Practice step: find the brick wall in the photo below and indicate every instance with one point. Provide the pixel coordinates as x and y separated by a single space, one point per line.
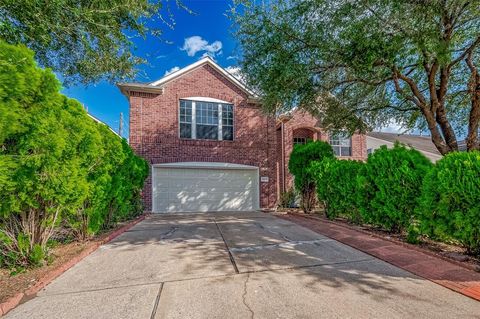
303 124
154 130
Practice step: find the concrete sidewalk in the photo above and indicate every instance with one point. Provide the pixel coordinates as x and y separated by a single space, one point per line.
237 265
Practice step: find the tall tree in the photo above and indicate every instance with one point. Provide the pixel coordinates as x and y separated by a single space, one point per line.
364 63
84 41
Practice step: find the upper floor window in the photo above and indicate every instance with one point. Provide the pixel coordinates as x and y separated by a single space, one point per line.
206 120
341 144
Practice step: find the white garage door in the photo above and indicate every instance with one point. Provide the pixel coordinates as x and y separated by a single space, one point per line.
203 187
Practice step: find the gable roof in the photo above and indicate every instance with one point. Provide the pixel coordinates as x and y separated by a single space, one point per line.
102 122
157 86
418 142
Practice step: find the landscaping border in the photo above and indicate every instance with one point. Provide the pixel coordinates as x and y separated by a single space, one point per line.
462 280
398 242
14 301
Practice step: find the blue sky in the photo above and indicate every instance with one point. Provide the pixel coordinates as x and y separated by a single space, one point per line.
208 31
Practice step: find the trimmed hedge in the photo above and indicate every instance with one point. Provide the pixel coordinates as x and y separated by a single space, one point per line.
450 202
301 158
58 167
400 190
336 182
389 185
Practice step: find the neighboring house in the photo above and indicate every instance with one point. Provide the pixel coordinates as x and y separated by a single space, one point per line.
423 144
101 122
210 145
299 127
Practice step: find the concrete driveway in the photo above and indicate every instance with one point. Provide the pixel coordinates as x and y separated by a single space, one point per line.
237 265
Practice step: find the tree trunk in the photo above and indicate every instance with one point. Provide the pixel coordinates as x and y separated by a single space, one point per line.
447 130
437 138
474 118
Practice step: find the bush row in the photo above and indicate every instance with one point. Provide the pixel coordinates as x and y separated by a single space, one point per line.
59 169
400 190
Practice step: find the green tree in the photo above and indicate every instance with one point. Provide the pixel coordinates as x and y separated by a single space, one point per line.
336 182
360 63
84 41
389 185
301 158
56 163
449 206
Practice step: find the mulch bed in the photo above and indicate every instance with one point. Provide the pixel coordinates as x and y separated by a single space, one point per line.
15 288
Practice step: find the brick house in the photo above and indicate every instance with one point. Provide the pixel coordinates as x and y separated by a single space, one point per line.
209 144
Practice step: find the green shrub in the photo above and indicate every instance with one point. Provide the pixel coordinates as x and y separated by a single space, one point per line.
449 207
287 199
300 159
389 186
56 164
336 182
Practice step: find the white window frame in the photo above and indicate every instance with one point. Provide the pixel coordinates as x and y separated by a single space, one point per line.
219 103
341 136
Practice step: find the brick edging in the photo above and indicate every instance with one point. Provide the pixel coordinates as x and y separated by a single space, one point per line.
398 242
471 289
14 301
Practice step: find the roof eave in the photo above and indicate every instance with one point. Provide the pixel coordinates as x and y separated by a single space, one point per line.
126 88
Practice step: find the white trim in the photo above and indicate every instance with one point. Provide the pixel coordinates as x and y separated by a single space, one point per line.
211 165
220 121
205 60
153 189
194 120
101 122
205 99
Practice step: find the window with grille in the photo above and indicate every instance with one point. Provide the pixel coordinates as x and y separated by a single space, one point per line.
341 144
206 120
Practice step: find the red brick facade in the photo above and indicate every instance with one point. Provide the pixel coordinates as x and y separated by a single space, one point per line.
259 139
302 124
154 129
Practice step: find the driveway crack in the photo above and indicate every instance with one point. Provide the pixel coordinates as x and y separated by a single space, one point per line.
169 233
230 255
157 301
273 232
244 297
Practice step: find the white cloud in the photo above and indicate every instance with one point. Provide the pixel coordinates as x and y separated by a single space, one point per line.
392 127
174 69
236 71
195 44
232 57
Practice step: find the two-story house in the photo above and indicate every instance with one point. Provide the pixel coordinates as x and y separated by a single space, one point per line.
210 145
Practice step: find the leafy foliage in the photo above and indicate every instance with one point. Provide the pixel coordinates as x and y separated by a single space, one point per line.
56 163
449 206
389 185
287 199
84 40
301 158
336 182
367 63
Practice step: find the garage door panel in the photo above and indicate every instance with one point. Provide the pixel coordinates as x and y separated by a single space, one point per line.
204 189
